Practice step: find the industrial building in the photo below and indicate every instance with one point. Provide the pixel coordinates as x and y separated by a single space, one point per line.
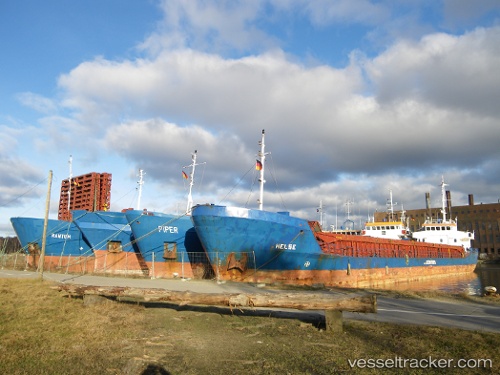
90 192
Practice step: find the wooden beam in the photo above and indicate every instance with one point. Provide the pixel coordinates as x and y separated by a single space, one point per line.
334 321
355 302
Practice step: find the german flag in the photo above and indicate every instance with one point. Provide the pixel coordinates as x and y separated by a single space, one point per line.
184 174
258 165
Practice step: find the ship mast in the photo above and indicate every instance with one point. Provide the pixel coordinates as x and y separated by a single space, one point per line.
348 203
262 155
320 210
191 181
139 188
403 212
390 206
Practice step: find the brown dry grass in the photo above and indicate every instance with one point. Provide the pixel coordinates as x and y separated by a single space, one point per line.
42 332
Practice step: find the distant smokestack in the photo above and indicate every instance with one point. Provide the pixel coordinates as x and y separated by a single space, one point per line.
471 200
448 202
428 204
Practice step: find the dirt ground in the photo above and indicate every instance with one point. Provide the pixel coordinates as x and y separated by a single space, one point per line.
208 340
42 331
194 340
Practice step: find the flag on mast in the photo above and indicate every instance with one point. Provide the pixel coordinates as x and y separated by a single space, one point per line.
258 165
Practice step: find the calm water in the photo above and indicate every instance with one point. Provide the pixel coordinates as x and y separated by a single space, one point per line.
473 284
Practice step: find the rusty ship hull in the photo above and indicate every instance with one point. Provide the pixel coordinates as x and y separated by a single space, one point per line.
268 247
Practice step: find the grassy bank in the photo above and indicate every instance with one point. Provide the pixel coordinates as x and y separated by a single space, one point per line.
42 332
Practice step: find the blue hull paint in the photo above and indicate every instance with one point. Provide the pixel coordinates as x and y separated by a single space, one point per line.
100 228
63 237
152 230
286 244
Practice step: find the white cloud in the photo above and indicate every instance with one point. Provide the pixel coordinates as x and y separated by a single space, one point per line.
203 25
464 12
460 73
18 181
8 139
163 148
37 102
412 120
364 12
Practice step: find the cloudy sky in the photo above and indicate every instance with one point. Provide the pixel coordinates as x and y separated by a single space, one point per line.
356 97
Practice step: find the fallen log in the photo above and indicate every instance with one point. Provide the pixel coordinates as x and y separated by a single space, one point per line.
354 302
332 304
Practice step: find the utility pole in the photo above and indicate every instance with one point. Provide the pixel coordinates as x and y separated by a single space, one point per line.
45 224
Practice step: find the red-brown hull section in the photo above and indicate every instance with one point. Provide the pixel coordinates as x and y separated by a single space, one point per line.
360 278
103 262
65 264
176 269
123 263
364 246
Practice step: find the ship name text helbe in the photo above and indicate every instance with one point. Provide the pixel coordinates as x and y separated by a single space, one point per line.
284 246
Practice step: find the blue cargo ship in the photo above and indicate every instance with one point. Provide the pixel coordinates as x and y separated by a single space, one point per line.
268 247
168 242
65 246
111 239
254 245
